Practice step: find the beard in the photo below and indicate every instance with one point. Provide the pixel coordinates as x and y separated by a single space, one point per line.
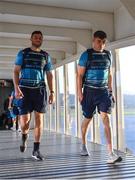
37 45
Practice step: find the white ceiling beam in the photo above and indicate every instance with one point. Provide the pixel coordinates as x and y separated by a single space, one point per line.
122 43
97 20
49 11
79 35
27 36
19 43
54 12
22 19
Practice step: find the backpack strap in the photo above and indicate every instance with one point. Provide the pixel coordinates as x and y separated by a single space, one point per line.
108 55
45 54
25 51
89 52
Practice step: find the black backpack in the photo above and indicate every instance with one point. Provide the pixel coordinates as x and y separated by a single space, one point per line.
90 56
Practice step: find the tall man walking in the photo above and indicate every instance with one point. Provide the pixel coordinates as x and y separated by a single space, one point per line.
30 67
94 74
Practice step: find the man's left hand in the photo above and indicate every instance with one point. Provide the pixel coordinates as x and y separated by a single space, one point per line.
51 98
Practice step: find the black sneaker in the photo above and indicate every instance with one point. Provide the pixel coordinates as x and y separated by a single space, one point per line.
37 156
23 145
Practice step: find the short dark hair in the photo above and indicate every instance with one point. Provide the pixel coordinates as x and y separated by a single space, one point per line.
100 34
36 32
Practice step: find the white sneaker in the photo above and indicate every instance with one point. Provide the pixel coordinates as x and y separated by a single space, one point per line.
84 151
13 128
113 158
19 130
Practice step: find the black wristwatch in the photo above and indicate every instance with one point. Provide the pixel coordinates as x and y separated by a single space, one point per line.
51 92
110 91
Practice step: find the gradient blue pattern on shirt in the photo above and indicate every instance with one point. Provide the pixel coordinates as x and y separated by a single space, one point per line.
30 76
97 75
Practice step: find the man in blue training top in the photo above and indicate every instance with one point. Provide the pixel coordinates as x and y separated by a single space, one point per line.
14 111
30 67
94 76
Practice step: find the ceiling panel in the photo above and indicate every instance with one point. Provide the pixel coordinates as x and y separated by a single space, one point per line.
94 5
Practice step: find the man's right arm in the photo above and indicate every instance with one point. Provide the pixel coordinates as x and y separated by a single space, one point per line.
80 74
16 72
18 93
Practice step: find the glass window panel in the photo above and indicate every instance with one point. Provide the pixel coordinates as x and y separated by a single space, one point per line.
47 115
127 70
53 107
71 99
60 97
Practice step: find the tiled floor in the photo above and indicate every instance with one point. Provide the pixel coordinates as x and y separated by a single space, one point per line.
62 159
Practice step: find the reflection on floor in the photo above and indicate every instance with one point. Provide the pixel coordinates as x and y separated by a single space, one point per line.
62 159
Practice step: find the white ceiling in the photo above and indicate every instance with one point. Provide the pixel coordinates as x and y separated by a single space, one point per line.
94 5
43 21
26 36
66 30
60 25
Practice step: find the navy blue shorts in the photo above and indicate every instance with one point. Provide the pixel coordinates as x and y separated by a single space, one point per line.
15 110
96 98
33 100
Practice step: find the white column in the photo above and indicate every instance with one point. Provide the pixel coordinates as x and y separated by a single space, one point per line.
119 107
